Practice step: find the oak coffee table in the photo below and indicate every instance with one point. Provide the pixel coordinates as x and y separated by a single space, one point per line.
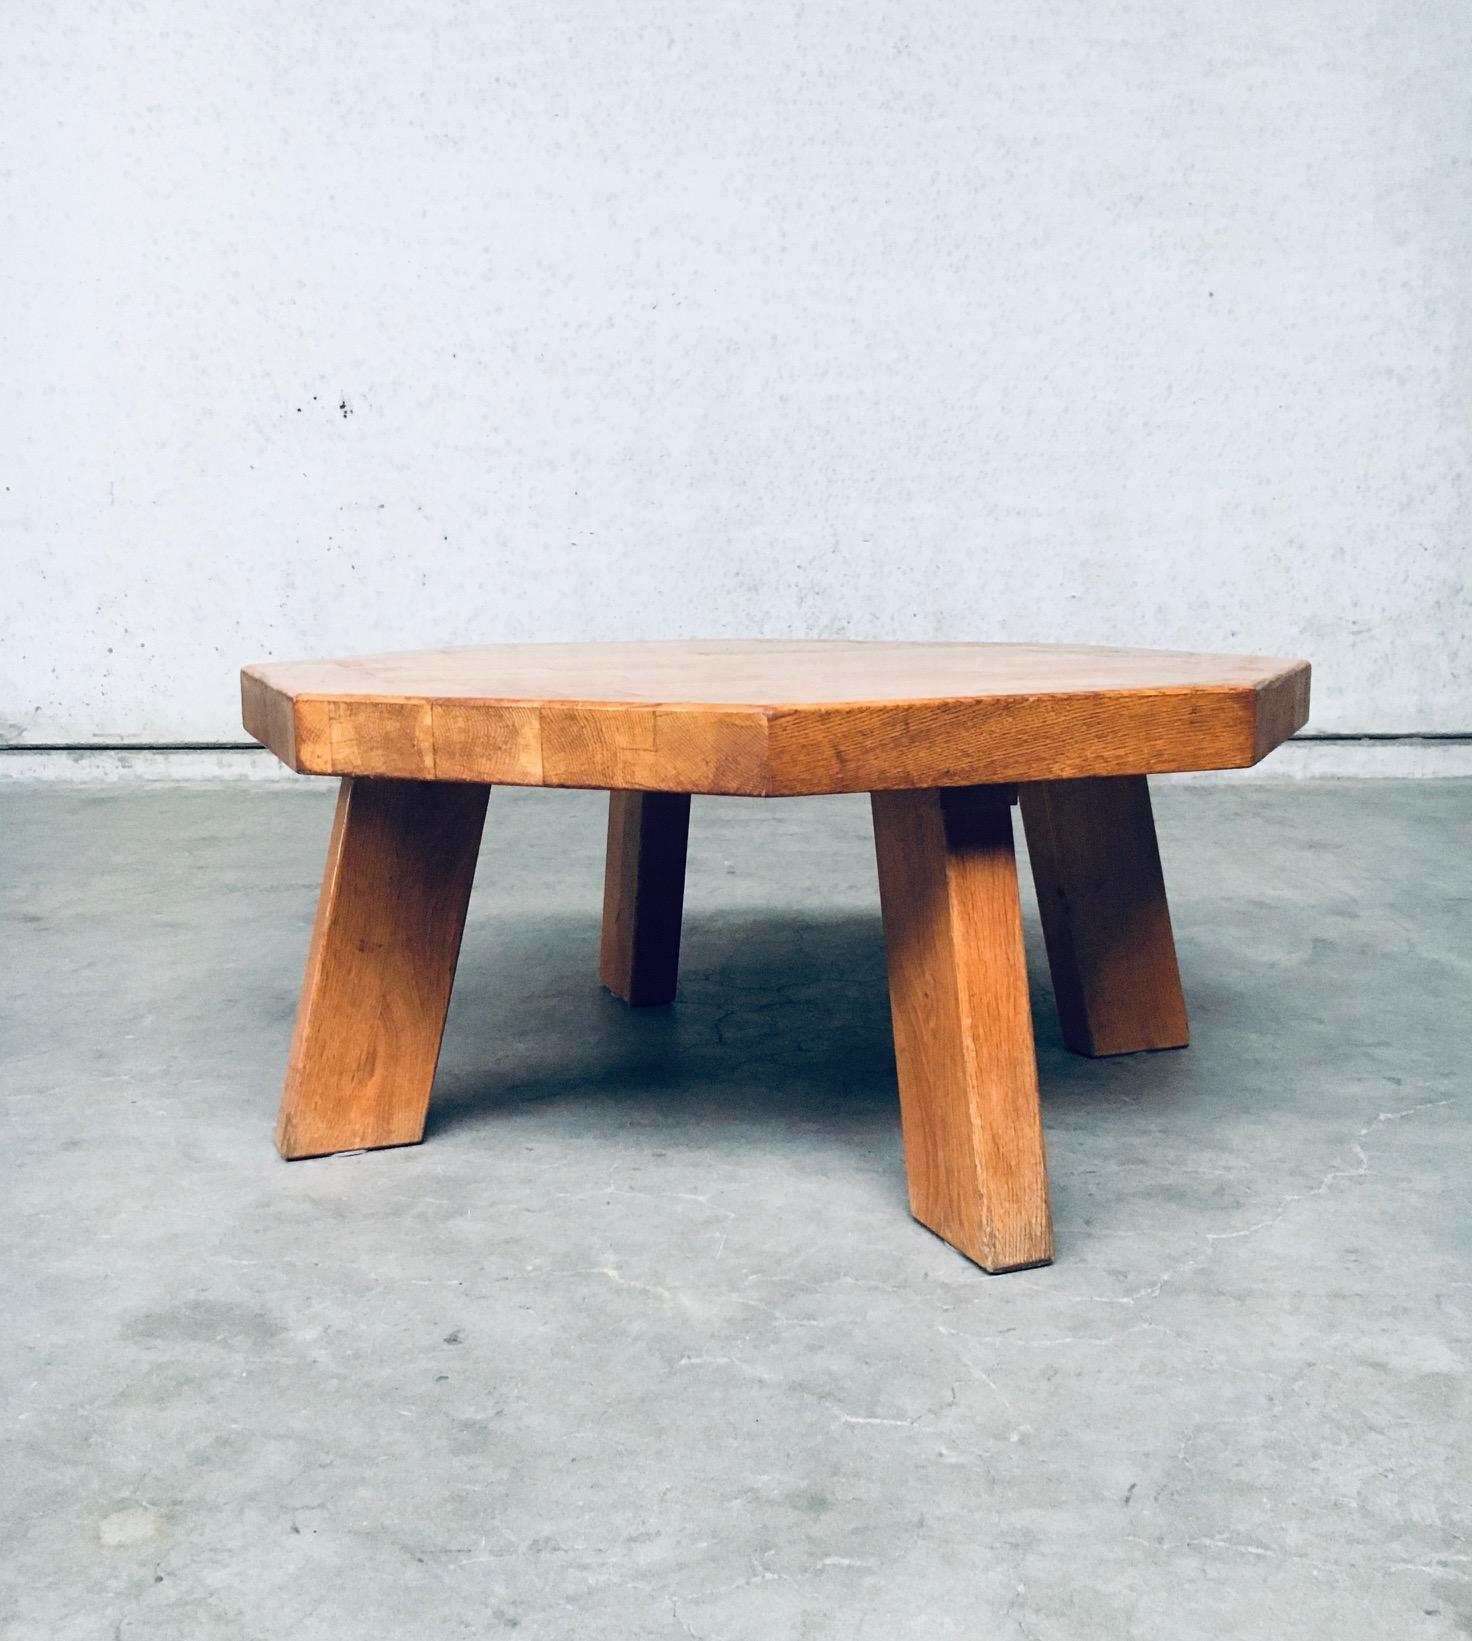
945 738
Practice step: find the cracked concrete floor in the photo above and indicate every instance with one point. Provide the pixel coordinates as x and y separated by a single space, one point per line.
642 1341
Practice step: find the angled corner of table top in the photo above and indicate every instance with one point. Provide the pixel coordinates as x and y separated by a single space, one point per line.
773 718
1282 707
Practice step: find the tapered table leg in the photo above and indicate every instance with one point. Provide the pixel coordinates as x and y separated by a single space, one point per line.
382 961
1101 897
644 894
962 1029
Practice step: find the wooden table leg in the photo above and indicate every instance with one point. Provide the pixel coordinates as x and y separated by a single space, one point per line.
644 895
1105 919
382 961
962 1029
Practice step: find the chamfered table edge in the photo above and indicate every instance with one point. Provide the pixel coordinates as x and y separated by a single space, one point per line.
779 751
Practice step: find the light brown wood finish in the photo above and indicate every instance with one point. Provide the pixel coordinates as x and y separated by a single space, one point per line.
1101 896
773 718
644 895
962 1030
940 734
382 960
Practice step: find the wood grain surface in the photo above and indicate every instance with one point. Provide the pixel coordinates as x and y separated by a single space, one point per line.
1101 897
644 895
773 718
382 960
962 1028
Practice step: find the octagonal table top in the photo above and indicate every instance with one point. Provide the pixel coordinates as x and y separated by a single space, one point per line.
773 717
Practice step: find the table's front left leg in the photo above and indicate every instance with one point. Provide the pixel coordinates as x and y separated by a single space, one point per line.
392 910
962 1027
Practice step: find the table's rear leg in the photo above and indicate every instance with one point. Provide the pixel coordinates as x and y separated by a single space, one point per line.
644 894
962 1028
382 961
1105 919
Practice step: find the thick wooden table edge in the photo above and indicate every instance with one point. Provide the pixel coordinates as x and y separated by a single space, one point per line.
775 751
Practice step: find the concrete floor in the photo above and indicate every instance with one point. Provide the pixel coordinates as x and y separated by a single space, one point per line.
642 1341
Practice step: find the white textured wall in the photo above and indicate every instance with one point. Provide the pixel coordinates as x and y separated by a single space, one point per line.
340 327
